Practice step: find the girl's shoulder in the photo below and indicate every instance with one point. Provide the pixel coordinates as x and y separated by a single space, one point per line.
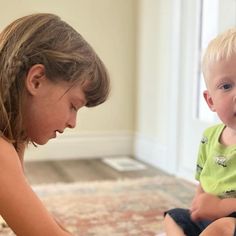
5 143
8 155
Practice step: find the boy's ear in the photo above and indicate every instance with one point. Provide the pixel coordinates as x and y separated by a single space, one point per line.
35 78
209 100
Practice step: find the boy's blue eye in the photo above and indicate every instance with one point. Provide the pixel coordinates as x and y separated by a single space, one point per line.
226 86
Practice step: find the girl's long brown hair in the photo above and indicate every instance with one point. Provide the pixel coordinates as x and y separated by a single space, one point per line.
44 39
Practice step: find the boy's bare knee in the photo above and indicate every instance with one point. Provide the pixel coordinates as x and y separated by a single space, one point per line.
171 227
168 220
224 226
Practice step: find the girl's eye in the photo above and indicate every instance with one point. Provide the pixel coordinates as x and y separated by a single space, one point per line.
226 86
74 108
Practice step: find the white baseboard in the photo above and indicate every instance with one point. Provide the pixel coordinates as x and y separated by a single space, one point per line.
95 145
82 146
150 151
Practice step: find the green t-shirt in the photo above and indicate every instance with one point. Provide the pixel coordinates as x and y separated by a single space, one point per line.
216 164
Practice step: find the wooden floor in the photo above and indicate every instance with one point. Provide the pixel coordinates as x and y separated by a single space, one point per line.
67 171
42 172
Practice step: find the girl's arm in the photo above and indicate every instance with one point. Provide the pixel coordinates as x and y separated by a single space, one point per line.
19 206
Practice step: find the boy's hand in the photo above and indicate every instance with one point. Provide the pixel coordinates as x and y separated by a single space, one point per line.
206 206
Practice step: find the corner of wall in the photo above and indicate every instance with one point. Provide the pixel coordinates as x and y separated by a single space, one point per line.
150 151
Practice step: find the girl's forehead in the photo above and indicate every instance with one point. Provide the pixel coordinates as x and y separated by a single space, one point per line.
75 90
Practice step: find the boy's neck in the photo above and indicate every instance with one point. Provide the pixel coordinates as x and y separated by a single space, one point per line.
228 137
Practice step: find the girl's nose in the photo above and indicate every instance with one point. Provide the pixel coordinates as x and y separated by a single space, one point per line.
71 122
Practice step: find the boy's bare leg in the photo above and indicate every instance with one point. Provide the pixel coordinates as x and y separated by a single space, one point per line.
171 228
224 226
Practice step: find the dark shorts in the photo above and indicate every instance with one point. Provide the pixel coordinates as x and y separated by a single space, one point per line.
190 228
183 219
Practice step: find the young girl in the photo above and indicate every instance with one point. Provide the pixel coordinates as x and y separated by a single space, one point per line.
47 73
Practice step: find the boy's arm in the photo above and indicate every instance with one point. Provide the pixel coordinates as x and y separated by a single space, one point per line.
199 190
208 206
227 206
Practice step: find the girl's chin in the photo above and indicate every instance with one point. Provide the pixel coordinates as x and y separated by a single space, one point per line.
40 141
43 139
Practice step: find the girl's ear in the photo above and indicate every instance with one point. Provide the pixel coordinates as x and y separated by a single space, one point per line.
35 78
209 100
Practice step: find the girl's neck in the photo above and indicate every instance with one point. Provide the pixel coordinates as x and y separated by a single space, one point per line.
21 151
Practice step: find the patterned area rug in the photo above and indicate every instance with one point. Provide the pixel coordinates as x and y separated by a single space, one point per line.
114 208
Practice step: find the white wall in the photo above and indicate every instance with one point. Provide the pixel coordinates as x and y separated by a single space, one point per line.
154 75
110 27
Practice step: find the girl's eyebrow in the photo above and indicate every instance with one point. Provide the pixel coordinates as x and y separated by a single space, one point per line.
81 101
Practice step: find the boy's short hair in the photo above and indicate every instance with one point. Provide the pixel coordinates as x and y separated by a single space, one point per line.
223 47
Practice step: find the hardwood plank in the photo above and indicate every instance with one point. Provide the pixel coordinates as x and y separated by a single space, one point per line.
42 172
79 170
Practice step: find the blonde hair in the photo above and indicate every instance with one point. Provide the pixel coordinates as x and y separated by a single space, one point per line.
44 39
223 47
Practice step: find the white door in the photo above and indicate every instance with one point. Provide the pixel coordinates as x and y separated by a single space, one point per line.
198 25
